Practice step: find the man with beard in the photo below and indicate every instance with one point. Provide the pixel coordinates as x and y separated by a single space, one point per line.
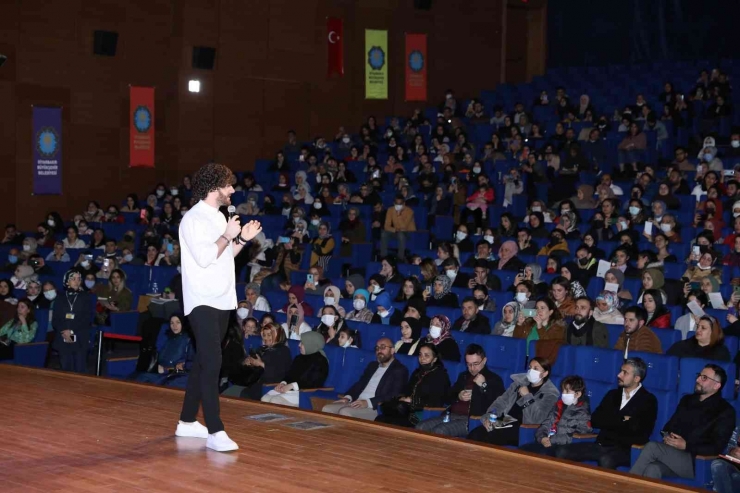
383 380
702 425
208 245
584 330
625 416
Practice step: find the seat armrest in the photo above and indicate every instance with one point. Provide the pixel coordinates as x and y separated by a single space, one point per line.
584 435
318 389
122 358
529 427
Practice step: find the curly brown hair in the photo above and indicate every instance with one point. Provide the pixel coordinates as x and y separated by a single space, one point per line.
210 177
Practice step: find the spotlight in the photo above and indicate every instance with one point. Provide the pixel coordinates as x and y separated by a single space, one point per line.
194 86
2 59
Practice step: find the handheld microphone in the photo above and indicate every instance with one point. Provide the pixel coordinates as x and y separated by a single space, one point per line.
232 212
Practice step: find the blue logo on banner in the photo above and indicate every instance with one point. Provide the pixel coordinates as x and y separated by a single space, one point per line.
376 58
416 61
47 142
142 119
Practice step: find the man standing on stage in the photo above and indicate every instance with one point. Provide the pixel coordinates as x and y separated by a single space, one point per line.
208 245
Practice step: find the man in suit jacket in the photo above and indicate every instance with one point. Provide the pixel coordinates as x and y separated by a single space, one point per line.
702 425
473 392
382 380
472 321
625 416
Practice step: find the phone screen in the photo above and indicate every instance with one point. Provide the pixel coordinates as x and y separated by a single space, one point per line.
170 249
309 278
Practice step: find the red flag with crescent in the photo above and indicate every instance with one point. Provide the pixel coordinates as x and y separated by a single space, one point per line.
335 46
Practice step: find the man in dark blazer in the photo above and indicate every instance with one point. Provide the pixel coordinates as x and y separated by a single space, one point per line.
472 321
473 392
382 380
625 416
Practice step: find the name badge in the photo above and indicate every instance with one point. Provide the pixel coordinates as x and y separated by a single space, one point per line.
70 316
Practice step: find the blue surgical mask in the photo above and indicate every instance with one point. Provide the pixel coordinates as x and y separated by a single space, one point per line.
89 284
128 257
708 157
13 259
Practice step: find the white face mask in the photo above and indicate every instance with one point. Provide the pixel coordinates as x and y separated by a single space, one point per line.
451 273
50 295
398 207
329 300
173 191
568 399
376 289
533 376
242 313
315 222
489 239
89 284
735 214
160 193
384 313
346 345
345 140
536 208
634 210
358 304
317 205
318 180
328 320
461 236
128 257
476 169
622 225
85 264
435 331
521 297
665 227
735 144
26 248
51 222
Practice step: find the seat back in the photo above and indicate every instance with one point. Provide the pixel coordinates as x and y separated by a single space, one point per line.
689 367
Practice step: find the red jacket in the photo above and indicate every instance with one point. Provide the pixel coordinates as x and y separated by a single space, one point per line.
489 196
661 322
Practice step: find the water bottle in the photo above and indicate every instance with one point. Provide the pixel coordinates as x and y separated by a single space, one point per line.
492 420
446 417
733 439
155 288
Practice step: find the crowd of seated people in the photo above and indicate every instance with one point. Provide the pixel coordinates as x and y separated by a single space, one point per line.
559 224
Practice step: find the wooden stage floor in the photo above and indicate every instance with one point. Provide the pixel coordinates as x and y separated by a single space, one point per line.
71 433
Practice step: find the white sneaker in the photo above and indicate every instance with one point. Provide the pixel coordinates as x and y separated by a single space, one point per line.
220 442
193 430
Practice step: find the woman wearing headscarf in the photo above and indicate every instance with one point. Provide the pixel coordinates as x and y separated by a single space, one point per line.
616 276
507 257
297 296
537 225
71 319
322 246
509 316
428 386
606 310
384 309
577 278
440 204
584 198
301 182
557 245
652 279
331 298
569 224
440 294
352 283
361 312
172 357
410 337
353 231
307 371
252 292
415 308
287 260
441 336
295 324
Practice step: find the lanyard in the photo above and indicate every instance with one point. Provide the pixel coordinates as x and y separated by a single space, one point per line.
72 304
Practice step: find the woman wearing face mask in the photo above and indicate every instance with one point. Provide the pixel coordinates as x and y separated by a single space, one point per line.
509 316
268 364
307 371
415 308
636 211
439 294
384 309
34 292
331 298
707 343
703 266
529 399
331 323
427 387
607 309
571 414
658 315
440 335
349 338
20 330
410 337
172 357
30 245
557 244
376 287
361 312
72 320
246 325
462 240
599 231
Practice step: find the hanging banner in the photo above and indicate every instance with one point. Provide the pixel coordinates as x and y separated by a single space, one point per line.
376 64
141 130
47 151
335 46
416 67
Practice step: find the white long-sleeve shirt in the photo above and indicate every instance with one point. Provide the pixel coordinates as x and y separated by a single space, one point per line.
207 279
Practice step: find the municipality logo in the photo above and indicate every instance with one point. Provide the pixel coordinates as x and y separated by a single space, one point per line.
47 142
142 119
416 61
376 58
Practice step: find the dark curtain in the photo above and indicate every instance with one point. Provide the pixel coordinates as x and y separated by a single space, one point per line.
587 32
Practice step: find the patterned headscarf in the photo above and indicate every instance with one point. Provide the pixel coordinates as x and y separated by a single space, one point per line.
446 286
611 300
67 275
517 308
445 334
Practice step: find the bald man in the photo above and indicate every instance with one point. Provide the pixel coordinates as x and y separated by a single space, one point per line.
382 380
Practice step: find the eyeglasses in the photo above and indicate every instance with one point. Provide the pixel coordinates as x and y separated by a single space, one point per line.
704 378
474 365
382 348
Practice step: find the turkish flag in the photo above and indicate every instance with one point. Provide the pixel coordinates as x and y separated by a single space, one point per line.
334 46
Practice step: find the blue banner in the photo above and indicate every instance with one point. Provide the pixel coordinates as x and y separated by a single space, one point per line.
47 151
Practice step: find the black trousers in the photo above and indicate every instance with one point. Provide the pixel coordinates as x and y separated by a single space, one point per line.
209 329
538 448
608 457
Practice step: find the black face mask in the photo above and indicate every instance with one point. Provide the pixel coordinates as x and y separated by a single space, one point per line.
286 205
427 366
583 262
128 238
480 302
